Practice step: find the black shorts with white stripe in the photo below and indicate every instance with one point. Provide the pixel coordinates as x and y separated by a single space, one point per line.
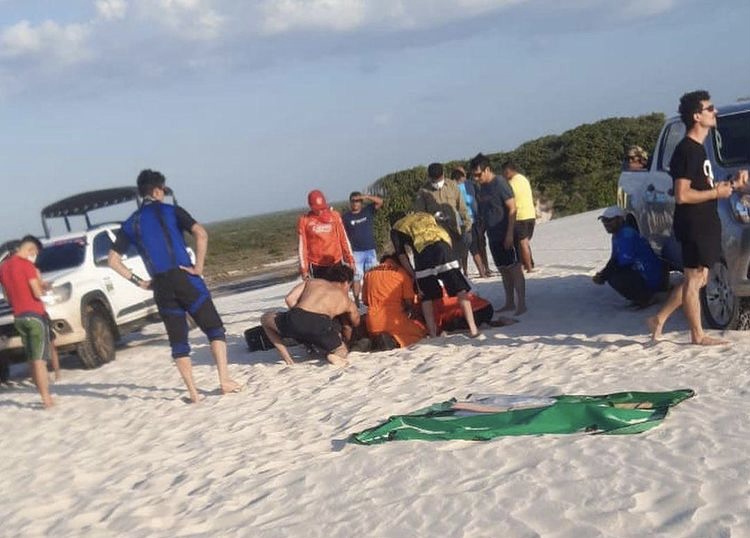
435 264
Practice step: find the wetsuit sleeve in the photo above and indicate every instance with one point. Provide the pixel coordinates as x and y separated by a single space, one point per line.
184 219
346 248
304 266
122 242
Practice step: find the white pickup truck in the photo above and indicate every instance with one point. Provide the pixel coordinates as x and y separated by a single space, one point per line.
90 306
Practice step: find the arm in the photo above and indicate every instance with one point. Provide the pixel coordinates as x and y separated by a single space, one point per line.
201 248
36 288
304 266
510 205
293 296
353 313
377 201
346 248
115 262
685 194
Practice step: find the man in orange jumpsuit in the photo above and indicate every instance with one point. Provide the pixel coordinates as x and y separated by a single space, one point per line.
388 292
322 239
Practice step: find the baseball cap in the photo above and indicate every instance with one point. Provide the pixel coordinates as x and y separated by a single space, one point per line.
316 200
612 212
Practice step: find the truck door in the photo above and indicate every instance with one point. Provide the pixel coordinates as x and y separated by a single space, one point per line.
659 195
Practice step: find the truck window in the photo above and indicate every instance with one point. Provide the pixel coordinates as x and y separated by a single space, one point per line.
732 139
672 136
102 244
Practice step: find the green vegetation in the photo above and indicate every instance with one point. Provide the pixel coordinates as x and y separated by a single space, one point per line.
572 172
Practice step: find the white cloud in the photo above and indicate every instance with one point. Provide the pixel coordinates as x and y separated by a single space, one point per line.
49 40
111 9
280 16
188 19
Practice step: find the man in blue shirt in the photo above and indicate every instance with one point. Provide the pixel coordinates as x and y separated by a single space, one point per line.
156 230
633 270
358 223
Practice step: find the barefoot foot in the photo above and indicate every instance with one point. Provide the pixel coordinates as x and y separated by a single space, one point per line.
654 326
231 387
520 310
507 308
708 341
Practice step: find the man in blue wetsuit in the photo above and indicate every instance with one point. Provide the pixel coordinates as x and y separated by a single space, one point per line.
633 270
156 230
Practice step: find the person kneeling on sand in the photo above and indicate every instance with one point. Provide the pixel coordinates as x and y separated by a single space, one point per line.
388 292
633 270
434 262
313 305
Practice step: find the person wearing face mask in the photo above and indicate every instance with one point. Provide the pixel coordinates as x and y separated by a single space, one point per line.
323 243
23 288
442 199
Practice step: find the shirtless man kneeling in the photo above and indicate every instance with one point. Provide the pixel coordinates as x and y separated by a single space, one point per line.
313 305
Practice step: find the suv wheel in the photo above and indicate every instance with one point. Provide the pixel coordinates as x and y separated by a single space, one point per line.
721 307
99 346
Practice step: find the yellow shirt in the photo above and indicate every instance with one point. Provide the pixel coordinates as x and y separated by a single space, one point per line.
524 199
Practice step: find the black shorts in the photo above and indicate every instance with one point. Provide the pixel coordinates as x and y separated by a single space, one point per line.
437 263
700 252
524 229
503 257
309 328
178 293
322 271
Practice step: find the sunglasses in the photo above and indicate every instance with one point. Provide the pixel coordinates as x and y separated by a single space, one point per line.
709 108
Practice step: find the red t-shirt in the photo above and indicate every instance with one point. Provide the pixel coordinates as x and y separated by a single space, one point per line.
15 274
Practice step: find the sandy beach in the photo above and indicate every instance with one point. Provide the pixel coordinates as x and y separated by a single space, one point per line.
122 455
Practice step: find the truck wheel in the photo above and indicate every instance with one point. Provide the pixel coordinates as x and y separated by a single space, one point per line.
720 305
99 346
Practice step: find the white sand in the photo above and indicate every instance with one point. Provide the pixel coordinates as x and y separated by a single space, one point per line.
121 455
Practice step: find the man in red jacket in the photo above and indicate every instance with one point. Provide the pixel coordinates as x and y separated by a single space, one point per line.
323 243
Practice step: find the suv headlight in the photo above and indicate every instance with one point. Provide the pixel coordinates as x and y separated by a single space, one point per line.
58 294
740 204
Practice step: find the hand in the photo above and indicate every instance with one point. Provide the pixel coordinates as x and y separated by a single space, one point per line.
145 284
306 277
598 279
192 270
723 190
508 243
740 179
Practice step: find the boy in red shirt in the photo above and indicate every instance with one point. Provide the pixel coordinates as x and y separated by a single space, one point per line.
22 286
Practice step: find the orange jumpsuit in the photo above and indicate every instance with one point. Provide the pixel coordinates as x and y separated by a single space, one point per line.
384 290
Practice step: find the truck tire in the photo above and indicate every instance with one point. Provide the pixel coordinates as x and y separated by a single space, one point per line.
99 345
722 309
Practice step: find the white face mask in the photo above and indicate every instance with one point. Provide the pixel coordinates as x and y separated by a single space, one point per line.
439 184
32 258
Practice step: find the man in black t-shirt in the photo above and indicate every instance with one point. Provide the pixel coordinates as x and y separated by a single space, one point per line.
497 208
696 221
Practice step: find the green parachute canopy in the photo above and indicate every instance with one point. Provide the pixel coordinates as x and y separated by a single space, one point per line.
486 417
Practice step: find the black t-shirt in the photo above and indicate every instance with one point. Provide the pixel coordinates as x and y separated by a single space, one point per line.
492 197
692 221
400 240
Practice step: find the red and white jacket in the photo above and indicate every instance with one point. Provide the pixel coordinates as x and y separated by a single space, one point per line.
322 241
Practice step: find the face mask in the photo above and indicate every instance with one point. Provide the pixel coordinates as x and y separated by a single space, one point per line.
439 184
32 258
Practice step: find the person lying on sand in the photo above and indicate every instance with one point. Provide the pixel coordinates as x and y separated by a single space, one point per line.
313 305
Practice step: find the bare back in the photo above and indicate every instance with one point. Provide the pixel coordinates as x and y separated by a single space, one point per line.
324 297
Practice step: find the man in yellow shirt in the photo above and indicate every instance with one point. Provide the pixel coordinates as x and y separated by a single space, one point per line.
526 215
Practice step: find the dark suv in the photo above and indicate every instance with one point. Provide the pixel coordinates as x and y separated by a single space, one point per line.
648 198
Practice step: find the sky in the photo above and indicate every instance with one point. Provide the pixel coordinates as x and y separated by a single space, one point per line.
246 105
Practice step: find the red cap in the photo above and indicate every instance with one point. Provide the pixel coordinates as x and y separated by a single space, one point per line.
316 200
